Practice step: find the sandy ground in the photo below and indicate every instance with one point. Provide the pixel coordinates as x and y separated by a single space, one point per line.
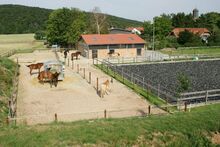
74 98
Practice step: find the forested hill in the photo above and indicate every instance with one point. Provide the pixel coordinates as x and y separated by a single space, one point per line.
17 19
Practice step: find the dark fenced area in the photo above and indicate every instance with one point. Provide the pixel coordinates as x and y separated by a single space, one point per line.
162 79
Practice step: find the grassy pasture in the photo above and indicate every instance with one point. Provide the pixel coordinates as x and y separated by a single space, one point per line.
193 128
194 51
19 42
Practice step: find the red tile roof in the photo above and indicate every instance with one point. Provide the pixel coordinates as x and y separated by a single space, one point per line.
101 39
199 31
141 29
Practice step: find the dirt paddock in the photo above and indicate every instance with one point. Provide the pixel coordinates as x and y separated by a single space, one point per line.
74 98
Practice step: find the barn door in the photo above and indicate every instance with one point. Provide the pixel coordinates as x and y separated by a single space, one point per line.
94 54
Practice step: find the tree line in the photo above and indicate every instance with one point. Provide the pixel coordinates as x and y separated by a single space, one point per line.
163 25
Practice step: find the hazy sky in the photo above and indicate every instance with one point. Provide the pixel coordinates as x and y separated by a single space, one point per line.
132 9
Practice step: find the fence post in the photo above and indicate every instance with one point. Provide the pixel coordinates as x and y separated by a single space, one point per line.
68 62
206 96
122 75
93 61
105 113
72 64
77 68
56 117
143 83
89 77
185 108
97 84
149 109
7 120
84 73
158 90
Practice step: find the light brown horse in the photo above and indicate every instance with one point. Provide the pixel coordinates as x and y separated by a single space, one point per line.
104 88
35 66
51 77
76 54
114 54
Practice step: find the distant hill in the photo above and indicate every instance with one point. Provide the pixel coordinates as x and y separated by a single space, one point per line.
17 19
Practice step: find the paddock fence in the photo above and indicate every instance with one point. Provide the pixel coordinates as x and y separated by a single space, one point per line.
198 97
69 117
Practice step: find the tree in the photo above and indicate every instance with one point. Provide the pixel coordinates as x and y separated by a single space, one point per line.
77 28
183 83
214 39
187 38
163 26
58 26
148 31
100 20
61 26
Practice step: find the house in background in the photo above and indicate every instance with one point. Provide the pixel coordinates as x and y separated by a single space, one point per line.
136 30
204 33
119 31
103 45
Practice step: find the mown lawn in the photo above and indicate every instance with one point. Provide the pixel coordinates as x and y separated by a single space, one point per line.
195 51
181 129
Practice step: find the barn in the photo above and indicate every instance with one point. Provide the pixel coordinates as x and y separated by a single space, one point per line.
105 45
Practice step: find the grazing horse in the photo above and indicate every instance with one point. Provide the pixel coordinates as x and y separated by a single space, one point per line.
76 54
104 88
47 75
114 54
35 66
65 53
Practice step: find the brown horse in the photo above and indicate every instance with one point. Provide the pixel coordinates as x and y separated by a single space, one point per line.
35 66
51 77
76 54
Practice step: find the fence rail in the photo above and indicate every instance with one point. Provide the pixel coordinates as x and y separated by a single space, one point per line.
7 53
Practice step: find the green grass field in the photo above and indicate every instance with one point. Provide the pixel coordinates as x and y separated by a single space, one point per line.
195 51
193 128
19 42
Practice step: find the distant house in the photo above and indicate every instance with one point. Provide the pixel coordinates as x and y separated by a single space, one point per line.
119 31
104 45
204 33
136 30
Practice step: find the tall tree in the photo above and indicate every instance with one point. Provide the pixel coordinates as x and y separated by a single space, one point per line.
77 28
148 31
61 23
100 20
163 26
58 26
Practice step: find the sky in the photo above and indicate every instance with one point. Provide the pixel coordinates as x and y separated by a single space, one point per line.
141 10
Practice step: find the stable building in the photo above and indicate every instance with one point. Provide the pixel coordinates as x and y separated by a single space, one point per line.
106 45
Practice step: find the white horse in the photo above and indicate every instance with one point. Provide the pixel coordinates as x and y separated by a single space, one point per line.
105 88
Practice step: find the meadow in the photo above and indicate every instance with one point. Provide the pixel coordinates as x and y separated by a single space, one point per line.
209 51
20 43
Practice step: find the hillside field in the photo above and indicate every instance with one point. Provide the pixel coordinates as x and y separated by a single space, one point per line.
19 42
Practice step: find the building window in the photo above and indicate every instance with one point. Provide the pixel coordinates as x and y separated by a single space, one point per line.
111 51
129 45
138 51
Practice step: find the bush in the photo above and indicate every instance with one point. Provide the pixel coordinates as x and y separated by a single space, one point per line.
40 35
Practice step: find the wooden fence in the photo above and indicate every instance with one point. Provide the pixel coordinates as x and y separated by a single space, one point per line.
7 53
